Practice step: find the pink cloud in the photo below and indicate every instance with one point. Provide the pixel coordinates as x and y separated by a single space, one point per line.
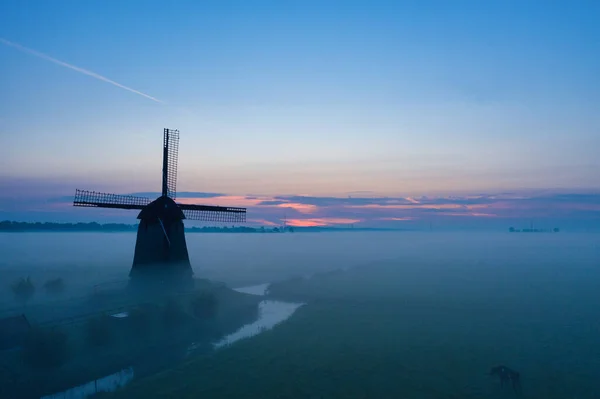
302 208
320 222
406 206
479 206
472 214
267 210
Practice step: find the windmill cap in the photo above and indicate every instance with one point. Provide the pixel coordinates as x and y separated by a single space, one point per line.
164 208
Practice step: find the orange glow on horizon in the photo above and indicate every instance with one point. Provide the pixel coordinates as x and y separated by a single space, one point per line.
320 222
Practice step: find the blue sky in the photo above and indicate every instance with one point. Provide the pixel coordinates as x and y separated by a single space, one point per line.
312 98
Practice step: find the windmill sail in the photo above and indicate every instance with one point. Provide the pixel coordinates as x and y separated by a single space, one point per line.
104 200
170 155
160 248
208 213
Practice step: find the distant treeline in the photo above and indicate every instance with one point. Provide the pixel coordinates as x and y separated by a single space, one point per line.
10 226
239 229
532 230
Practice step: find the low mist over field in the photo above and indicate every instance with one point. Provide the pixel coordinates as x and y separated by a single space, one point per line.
406 192
87 259
442 307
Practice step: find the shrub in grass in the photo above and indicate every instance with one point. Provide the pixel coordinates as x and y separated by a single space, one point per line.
45 349
204 305
23 290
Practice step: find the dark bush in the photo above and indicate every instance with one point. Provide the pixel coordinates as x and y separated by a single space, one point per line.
23 290
98 331
55 287
204 305
45 349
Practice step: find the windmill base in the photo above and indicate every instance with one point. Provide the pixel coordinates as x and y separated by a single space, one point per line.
159 262
167 277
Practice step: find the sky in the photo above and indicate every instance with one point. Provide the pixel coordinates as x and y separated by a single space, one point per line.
425 102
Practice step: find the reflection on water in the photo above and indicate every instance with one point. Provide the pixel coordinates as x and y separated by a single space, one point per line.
109 383
270 314
260 289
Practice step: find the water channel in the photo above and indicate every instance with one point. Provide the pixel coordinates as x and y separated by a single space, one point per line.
270 313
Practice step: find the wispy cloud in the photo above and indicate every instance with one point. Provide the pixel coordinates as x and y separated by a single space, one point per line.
575 210
471 214
75 68
302 208
220 200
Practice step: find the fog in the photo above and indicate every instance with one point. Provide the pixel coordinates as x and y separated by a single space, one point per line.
87 259
529 299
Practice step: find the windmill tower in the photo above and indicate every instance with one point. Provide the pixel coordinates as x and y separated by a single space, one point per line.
161 253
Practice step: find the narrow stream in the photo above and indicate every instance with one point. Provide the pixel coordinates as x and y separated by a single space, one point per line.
270 313
110 383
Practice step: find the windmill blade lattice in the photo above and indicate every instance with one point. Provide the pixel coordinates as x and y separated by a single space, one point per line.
205 213
208 213
171 155
104 200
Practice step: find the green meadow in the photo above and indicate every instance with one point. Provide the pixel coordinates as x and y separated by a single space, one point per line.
390 330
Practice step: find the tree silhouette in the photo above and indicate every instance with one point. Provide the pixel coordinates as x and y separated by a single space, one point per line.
45 349
23 290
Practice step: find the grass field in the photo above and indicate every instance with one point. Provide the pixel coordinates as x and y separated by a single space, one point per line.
385 332
156 335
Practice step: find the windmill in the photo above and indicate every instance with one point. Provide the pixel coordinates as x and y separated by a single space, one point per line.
160 249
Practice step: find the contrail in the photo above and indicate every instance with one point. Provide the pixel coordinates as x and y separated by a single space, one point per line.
75 68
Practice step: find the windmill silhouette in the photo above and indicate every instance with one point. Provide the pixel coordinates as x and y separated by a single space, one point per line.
160 249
